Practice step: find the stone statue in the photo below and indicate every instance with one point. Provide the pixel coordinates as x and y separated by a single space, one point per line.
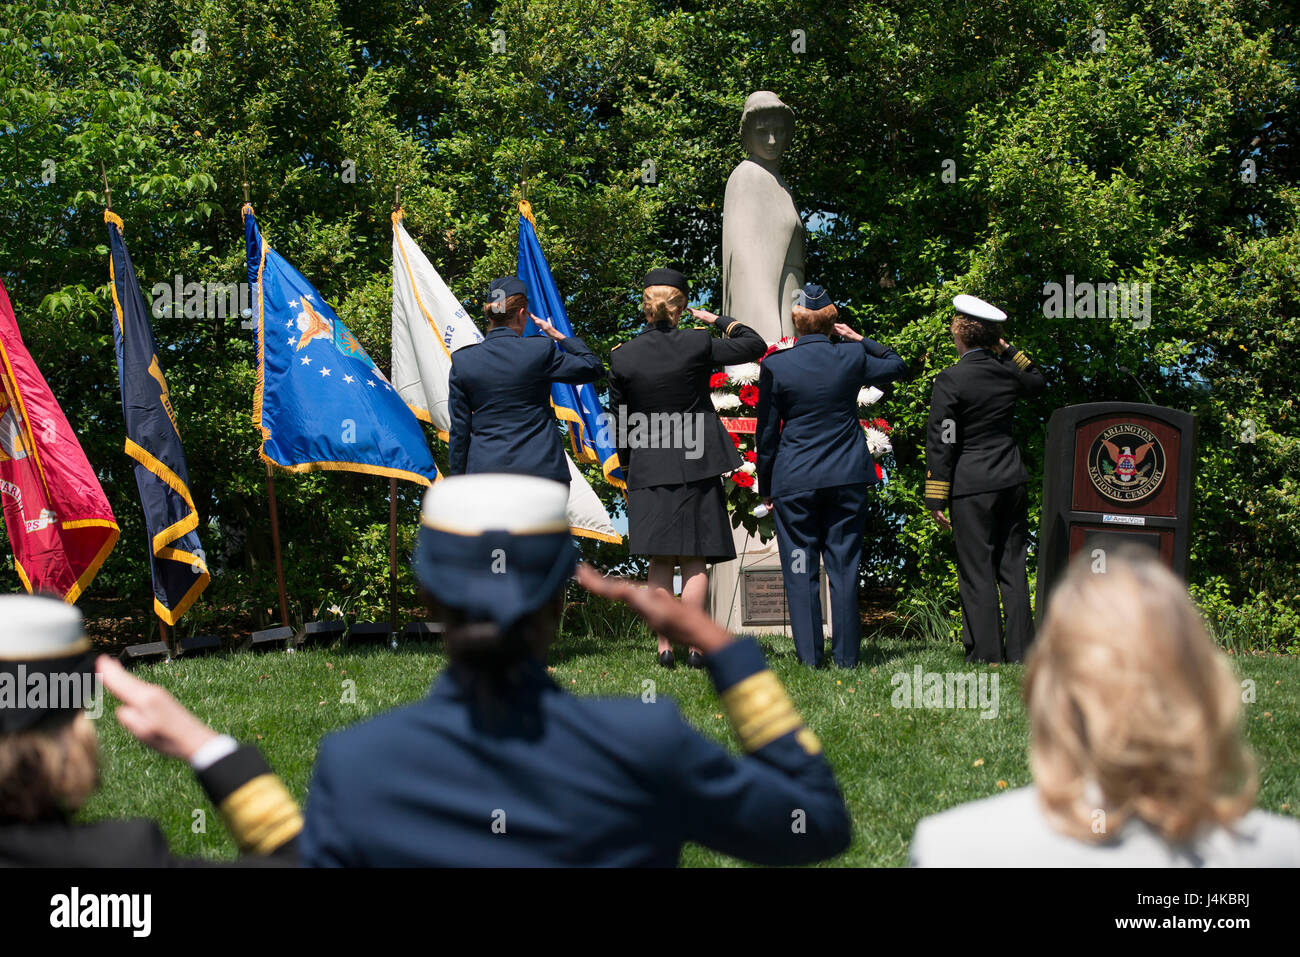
762 234
762 271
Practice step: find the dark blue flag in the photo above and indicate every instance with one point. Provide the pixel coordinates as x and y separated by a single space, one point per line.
579 405
320 402
179 567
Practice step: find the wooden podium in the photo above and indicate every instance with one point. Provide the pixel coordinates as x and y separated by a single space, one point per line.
1116 473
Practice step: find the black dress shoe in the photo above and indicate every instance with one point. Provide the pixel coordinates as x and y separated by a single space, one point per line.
666 659
695 659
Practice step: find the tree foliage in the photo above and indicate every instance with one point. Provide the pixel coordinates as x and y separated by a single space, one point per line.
1112 142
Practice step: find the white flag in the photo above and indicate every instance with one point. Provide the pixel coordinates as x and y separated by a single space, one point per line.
587 517
429 324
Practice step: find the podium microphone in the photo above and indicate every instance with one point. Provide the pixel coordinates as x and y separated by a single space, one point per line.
1128 372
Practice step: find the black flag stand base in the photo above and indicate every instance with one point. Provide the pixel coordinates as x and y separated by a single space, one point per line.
151 652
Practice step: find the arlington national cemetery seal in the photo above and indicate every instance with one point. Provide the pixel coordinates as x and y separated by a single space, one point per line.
1126 463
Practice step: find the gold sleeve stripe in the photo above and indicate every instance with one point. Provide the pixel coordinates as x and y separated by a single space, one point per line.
1022 360
938 488
809 741
761 712
731 325
261 815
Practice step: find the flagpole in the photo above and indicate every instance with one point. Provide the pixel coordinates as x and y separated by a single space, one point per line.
164 633
275 544
392 554
270 490
108 196
392 500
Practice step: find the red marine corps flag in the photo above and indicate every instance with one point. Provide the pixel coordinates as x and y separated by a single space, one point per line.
59 522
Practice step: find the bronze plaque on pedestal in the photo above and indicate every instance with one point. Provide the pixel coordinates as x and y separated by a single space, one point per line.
763 598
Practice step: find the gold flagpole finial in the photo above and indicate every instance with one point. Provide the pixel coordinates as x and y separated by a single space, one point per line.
244 168
398 214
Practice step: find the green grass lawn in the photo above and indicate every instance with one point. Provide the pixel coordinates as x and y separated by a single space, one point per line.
894 765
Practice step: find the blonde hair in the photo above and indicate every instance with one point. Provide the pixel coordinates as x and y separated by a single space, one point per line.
1133 711
662 303
47 772
809 321
499 313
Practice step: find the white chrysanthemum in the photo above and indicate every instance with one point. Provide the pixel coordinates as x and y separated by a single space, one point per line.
870 396
878 442
785 343
746 374
749 467
725 400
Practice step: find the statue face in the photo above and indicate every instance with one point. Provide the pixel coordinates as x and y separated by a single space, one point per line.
768 135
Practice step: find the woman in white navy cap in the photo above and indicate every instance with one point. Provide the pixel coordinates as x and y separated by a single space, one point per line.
671 443
499 766
973 468
49 756
814 469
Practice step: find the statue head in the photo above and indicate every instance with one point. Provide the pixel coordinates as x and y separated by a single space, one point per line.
766 126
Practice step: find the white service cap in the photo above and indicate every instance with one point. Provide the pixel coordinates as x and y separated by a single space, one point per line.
473 504
33 627
977 308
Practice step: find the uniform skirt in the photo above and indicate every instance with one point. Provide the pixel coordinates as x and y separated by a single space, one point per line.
689 520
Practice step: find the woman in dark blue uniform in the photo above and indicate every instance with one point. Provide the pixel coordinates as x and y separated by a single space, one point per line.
500 766
814 468
973 468
671 443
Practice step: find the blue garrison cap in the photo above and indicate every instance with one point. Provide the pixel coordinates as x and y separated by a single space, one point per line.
496 547
815 297
505 287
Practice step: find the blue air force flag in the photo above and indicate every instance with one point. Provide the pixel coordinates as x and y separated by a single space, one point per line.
176 560
321 403
577 405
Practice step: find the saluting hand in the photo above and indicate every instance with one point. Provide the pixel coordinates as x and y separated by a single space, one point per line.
151 714
703 315
546 327
842 330
1003 345
942 519
666 616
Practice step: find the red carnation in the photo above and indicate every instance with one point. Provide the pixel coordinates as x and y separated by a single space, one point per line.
743 479
735 438
718 380
749 395
881 424
752 456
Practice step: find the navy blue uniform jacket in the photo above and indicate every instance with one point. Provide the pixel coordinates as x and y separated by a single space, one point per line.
970 446
809 436
550 778
500 399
